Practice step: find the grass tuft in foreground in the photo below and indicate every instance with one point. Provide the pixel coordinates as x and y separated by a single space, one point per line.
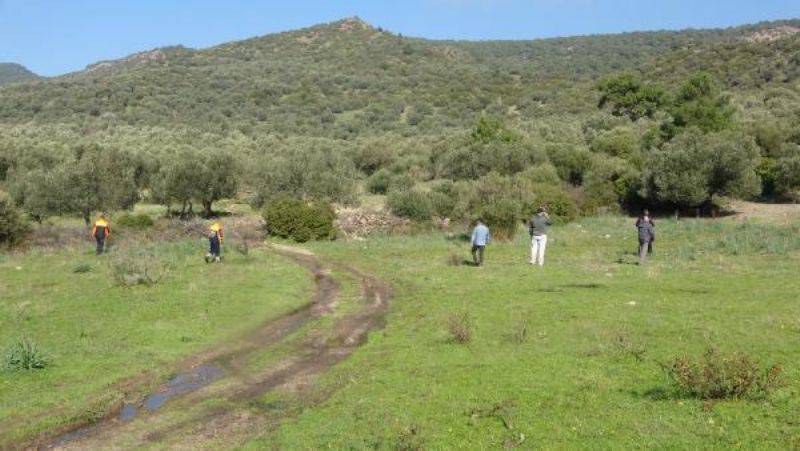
25 354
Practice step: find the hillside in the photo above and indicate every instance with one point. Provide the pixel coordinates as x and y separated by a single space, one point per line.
12 73
590 124
348 79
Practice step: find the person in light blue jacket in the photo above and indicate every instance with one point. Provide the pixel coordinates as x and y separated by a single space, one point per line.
480 238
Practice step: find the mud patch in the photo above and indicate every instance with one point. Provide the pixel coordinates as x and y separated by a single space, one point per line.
297 373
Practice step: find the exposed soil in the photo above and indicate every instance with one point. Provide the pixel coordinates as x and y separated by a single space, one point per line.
224 375
779 213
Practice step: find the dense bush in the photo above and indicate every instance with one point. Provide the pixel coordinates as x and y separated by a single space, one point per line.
384 181
560 204
502 217
299 220
13 227
718 376
411 204
134 221
313 172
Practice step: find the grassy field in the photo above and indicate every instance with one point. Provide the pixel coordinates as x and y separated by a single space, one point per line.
569 354
96 332
565 355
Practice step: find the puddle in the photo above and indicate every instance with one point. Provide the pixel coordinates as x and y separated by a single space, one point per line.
181 384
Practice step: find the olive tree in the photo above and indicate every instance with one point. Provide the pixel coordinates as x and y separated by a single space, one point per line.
693 167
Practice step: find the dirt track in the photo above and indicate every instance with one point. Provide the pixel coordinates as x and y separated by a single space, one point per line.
222 374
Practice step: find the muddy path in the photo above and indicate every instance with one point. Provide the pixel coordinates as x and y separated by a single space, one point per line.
170 415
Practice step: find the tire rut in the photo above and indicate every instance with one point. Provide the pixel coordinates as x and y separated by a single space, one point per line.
309 358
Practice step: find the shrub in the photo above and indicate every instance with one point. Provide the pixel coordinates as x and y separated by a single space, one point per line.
384 181
299 220
137 267
82 268
460 326
411 204
561 206
503 218
135 221
25 354
443 197
717 376
13 227
379 182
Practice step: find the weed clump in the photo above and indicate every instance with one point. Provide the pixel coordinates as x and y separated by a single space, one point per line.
135 221
461 326
409 439
133 268
25 354
717 376
82 268
521 332
454 259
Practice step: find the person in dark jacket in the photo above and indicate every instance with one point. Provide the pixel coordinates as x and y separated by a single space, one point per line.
647 234
537 229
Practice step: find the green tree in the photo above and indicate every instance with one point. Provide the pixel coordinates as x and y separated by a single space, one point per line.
217 178
700 103
693 167
627 95
13 227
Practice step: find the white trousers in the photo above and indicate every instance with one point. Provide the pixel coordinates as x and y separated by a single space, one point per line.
538 245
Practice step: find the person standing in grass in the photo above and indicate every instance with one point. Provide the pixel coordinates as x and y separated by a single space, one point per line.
480 238
100 231
215 237
647 234
537 229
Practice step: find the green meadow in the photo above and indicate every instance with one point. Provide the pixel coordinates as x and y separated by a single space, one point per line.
571 354
96 334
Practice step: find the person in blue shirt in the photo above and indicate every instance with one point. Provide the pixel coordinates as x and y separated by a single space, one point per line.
480 238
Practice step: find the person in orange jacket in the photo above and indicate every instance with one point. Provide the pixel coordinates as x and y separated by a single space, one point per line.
215 238
100 232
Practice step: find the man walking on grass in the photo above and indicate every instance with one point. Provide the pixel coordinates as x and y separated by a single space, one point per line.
647 234
480 238
537 229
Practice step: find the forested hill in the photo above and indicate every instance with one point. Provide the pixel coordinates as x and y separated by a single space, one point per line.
11 73
347 79
448 129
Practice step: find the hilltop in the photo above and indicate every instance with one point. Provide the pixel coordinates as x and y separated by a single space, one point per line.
12 73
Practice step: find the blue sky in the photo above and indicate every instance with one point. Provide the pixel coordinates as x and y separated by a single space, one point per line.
56 36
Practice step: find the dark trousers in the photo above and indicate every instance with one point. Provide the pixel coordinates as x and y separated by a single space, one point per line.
644 249
477 254
101 244
214 247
